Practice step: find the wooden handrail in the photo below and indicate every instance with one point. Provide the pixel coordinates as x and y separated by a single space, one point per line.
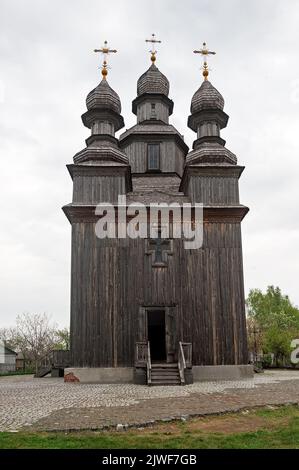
181 363
141 353
182 354
184 359
55 357
46 360
187 349
149 365
143 358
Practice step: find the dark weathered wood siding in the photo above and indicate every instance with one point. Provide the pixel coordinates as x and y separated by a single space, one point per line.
214 189
172 158
94 189
113 281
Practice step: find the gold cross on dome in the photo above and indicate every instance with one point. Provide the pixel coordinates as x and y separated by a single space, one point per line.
105 51
153 52
204 51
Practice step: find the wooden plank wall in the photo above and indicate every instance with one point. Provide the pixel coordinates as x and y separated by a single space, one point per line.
172 158
113 280
95 189
214 189
145 112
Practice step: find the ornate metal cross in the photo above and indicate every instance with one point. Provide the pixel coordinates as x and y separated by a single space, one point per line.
159 247
153 52
204 51
105 51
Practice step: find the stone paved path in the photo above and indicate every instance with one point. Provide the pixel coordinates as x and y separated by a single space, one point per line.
51 404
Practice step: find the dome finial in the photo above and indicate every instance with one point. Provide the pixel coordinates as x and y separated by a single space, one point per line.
204 51
105 51
153 52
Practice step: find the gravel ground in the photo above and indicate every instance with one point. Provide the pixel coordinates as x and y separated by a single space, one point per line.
29 403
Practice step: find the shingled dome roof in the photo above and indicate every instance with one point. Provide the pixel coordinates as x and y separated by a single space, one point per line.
206 97
153 81
103 97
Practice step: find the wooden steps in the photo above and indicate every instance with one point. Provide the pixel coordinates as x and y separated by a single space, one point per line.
165 374
54 363
43 371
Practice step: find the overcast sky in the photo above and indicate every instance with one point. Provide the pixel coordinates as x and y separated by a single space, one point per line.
47 67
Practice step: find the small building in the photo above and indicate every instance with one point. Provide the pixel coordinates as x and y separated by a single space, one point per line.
7 359
20 361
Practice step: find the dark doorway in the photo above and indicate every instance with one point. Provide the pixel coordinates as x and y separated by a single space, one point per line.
156 334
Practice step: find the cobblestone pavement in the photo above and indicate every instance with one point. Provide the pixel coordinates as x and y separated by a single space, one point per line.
51 404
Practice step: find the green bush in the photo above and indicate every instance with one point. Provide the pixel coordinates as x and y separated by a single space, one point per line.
266 361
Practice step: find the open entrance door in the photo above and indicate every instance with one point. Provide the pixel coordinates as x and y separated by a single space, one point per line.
157 334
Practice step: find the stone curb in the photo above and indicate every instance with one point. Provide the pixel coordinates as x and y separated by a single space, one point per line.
122 427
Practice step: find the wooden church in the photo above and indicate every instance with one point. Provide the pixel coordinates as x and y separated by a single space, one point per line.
149 310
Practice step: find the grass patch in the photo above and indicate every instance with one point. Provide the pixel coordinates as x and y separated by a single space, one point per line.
265 428
19 372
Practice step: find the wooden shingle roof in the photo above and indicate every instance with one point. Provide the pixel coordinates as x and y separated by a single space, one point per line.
104 97
206 97
153 81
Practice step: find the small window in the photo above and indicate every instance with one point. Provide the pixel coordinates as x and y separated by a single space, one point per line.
153 157
153 111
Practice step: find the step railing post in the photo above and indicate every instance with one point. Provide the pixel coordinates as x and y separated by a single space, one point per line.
181 363
149 365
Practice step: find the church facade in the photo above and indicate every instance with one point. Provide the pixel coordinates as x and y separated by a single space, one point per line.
148 310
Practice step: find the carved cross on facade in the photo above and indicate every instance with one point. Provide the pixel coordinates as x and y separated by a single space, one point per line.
159 248
105 50
153 52
204 51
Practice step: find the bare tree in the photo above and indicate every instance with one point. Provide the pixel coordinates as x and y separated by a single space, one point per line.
35 336
9 337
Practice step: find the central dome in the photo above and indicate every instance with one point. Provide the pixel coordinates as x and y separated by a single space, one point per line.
103 96
206 97
153 81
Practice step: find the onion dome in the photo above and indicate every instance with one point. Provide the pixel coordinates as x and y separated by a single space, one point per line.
104 97
207 119
206 97
153 81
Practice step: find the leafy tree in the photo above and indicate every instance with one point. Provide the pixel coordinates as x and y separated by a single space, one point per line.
62 339
273 320
272 308
278 342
